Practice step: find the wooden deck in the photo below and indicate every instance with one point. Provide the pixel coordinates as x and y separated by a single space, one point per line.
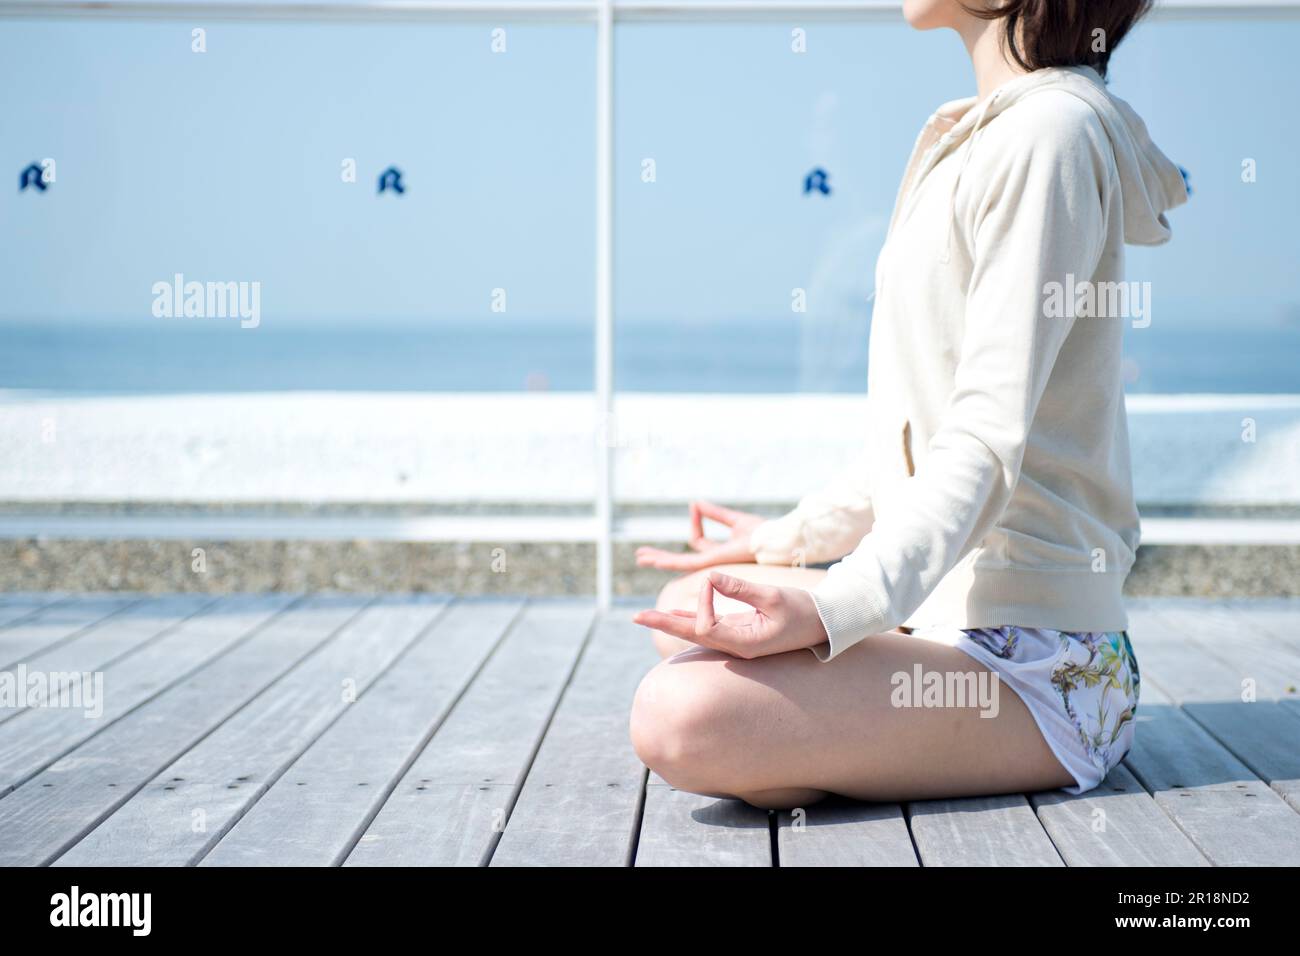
417 730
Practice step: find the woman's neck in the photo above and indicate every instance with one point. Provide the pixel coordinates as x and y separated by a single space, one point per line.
988 55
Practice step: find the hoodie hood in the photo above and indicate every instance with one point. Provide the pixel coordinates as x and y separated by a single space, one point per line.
1150 183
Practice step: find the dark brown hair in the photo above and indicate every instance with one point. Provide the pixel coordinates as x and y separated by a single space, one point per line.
1043 33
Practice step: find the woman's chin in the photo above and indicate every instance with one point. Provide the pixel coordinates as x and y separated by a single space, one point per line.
928 14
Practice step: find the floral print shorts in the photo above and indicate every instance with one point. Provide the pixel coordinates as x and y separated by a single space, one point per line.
1081 688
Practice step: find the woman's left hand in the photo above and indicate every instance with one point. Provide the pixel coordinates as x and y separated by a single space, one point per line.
783 619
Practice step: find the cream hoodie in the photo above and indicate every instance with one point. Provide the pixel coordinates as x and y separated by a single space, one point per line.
995 485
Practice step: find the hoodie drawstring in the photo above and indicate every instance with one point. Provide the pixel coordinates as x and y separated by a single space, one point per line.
946 253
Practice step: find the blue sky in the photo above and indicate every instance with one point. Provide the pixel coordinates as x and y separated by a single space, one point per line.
226 165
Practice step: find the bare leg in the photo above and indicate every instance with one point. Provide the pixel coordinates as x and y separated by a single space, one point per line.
786 730
681 593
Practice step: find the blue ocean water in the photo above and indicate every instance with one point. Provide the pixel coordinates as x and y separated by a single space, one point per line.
673 355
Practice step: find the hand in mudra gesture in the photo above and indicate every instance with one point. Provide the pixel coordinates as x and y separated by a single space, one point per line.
706 552
777 620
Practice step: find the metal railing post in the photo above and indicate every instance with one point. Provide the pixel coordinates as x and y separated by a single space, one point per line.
606 426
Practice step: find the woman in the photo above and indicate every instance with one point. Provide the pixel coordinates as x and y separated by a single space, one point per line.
986 532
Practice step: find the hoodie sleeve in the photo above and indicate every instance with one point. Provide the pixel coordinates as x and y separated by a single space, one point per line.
825 525
1037 215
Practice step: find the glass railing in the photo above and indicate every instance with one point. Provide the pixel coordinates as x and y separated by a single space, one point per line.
538 253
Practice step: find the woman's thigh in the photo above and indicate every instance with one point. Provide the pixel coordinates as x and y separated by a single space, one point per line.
786 729
681 592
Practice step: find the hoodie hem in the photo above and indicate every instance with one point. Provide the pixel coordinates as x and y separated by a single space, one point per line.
1062 600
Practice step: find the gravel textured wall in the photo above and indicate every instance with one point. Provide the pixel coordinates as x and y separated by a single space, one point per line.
549 569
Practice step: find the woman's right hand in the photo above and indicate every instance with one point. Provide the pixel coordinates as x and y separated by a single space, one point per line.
705 551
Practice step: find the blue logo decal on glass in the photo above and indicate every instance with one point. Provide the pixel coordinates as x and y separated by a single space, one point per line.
33 175
391 178
818 180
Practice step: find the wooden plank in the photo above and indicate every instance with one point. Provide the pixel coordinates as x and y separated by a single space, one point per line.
980 831
31 598
97 647
685 829
314 814
53 810
1277 617
1261 732
1265 736
35 739
15 607
184 810
581 801
844 833
1232 816
56 623
1116 824
1264 644
451 806
1174 655
1229 635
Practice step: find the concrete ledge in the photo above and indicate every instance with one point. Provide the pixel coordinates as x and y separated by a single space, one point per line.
506 567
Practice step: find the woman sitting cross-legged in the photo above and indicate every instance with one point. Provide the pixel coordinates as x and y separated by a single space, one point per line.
969 636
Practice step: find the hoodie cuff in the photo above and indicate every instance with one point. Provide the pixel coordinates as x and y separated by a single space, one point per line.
847 614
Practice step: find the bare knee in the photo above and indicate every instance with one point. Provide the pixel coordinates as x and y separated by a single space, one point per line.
688 727
667 645
676 720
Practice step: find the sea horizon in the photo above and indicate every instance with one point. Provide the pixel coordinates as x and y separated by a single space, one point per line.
499 354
